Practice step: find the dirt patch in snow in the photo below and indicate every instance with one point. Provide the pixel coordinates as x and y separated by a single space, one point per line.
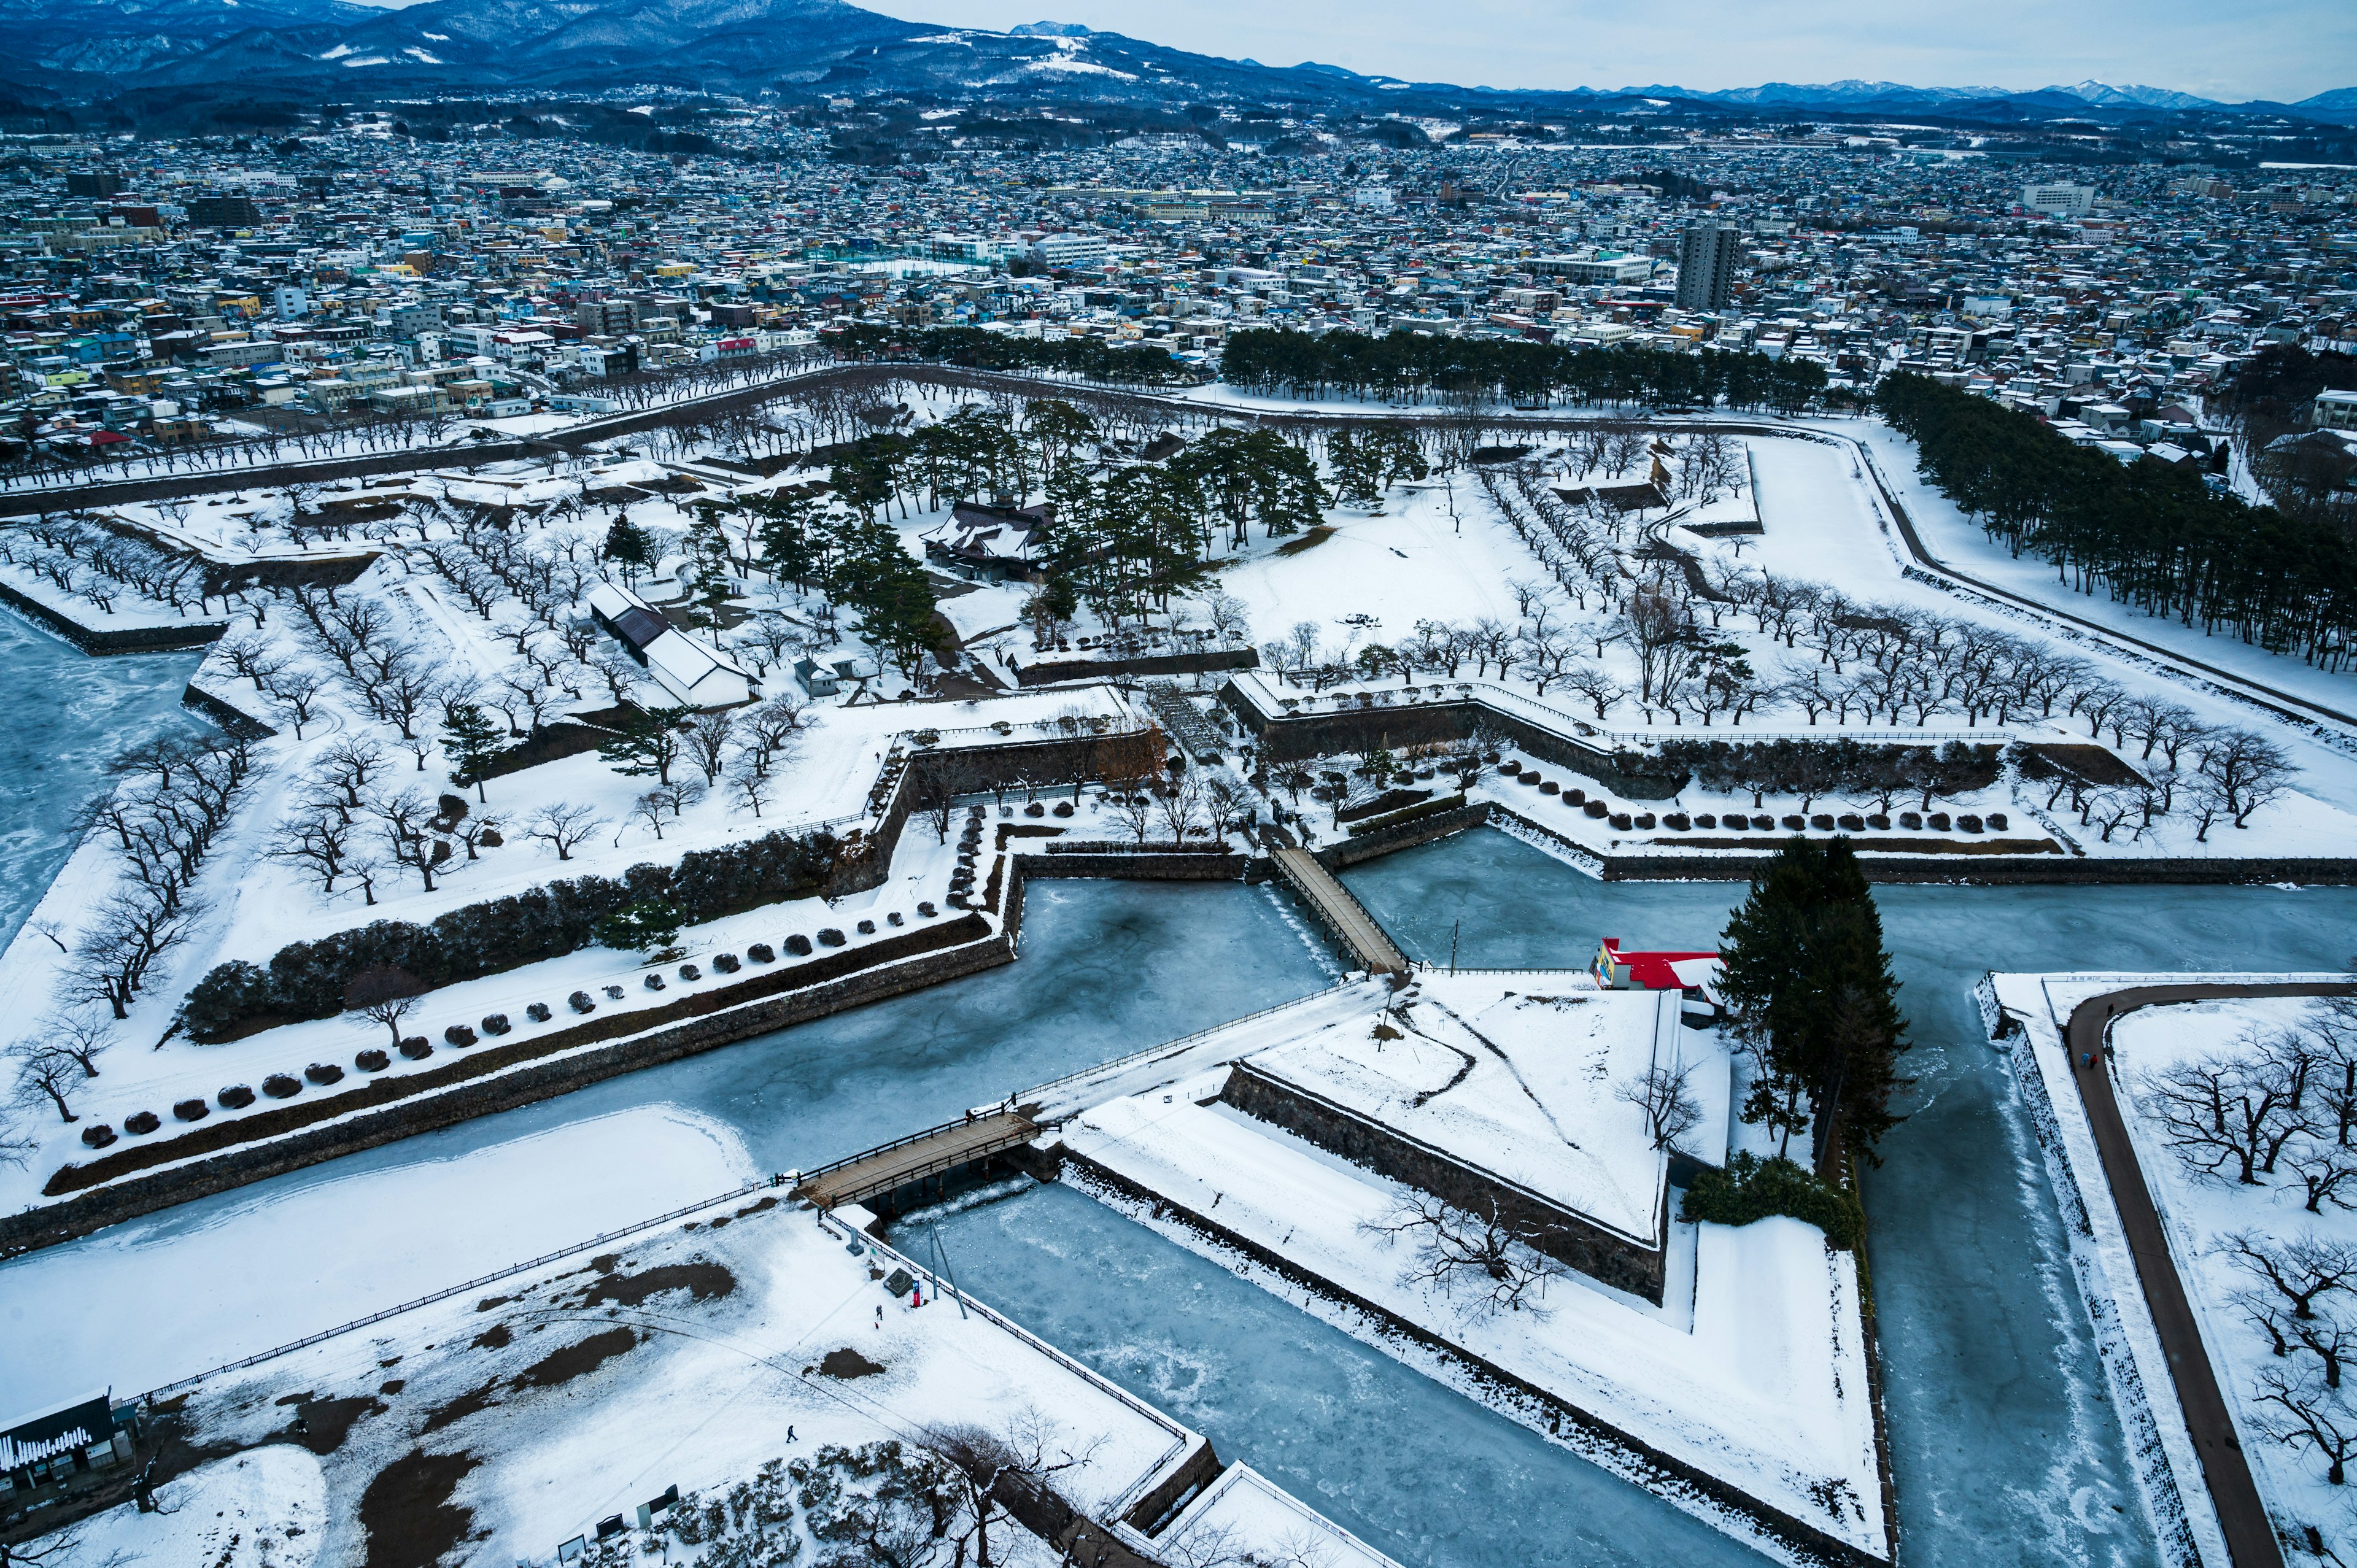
702 1281
848 1363
326 1422
458 1410
407 1511
575 1359
495 1337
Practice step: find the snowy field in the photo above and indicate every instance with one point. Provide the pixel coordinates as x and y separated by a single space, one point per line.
691 1358
268 1270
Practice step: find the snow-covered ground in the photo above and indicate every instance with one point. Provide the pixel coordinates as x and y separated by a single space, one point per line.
311 1255
1752 1370
691 1357
266 1507
1522 1085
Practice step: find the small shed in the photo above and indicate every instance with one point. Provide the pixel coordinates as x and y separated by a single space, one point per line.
688 668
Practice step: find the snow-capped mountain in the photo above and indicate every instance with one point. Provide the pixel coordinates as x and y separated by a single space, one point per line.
63 49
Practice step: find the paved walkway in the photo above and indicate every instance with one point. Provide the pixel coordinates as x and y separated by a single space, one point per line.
936 1152
1343 914
2250 1538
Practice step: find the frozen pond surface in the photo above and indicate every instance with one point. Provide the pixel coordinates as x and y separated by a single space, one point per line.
2006 1447
69 715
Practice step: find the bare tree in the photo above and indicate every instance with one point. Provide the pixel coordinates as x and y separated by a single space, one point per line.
403 827
1023 1454
1663 1095
298 692
708 736
383 995
2301 1413
2225 1112
348 765
2248 770
1456 1249
44 1076
562 826
2302 1270
1181 804
82 1034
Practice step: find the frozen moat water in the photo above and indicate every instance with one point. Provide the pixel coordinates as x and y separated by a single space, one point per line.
69 715
2006 1448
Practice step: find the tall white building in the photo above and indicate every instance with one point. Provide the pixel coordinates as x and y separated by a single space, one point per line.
2060 199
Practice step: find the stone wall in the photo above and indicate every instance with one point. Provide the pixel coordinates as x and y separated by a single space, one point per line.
224 712
1403 835
1353 730
2012 871
1209 663
99 640
494 1087
1191 868
1548 1227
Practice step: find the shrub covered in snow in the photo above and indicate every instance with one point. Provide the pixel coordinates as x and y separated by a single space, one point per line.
761 952
458 1035
142 1122
832 937
97 1136
496 1024
537 1012
372 1060
416 1048
726 964
190 1111
580 1002
282 1086
324 1072
799 945
236 1096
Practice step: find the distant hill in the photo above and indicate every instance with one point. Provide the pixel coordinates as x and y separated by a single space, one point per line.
72 50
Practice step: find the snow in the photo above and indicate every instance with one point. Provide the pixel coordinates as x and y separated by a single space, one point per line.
1519 1085
1242 1509
345 1240
266 1507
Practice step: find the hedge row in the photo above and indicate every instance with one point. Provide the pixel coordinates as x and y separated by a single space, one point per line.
307 980
1752 1188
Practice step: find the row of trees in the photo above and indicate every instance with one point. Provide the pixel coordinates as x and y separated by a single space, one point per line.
84 559
1406 365
1084 357
2155 536
2278 1108
308 979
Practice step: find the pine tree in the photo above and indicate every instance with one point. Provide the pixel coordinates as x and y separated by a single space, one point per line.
1805 967
472 743
647 741
629 546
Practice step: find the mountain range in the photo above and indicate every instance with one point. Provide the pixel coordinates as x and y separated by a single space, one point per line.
72 50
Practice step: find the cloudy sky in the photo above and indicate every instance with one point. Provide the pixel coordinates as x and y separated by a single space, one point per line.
2283 50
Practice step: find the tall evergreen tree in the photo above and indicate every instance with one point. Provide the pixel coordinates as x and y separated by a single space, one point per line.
1806 969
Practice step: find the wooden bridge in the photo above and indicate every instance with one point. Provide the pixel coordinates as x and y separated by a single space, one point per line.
1343 914
935 1152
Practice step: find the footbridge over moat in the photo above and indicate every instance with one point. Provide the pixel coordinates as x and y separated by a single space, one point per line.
937 1153
1341 913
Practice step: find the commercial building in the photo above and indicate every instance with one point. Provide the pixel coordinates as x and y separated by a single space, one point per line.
1708 257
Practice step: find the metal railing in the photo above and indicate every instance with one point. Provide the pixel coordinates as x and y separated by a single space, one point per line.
461 1289
884 1148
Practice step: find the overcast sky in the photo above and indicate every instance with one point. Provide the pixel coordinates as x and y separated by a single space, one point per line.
2284 49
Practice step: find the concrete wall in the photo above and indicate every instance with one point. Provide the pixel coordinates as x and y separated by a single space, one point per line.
481 1083
1559 1232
